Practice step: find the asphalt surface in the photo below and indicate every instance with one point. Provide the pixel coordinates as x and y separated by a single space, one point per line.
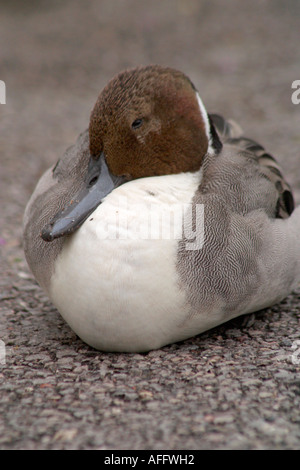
234 387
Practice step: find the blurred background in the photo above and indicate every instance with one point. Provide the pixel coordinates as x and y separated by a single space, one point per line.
55 57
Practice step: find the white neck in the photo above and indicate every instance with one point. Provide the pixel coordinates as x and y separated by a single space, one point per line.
206 123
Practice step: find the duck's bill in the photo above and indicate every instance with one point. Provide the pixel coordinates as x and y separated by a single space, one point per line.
99 183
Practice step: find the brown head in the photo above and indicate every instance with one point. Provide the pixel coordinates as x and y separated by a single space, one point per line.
148 122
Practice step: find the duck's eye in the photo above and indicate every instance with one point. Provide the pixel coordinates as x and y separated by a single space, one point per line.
137 123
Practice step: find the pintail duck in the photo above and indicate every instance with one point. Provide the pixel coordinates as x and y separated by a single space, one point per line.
162 221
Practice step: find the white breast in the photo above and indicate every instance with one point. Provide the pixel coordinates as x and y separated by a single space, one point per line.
115 281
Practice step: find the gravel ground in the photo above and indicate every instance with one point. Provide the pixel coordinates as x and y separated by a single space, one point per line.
234 387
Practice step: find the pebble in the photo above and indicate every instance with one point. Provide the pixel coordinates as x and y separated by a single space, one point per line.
223 418
65 435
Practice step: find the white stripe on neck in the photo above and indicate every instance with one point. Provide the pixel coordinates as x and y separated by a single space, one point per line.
204 114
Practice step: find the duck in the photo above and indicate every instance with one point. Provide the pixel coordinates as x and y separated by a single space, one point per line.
162 221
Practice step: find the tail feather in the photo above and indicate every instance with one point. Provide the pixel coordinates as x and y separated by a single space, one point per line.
232 134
